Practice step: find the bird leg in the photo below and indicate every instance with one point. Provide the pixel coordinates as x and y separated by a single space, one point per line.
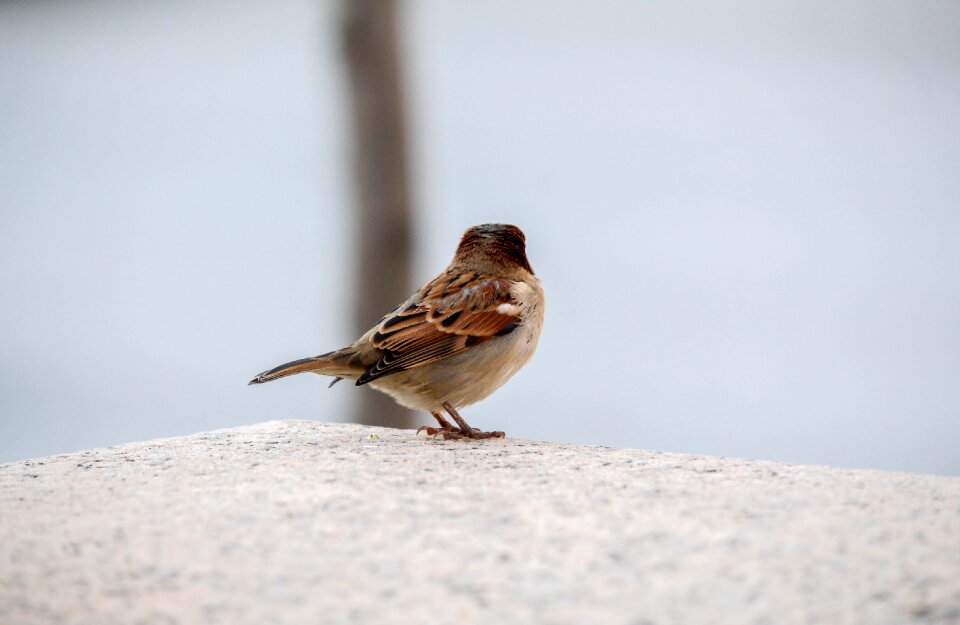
449 432
445 428
465 430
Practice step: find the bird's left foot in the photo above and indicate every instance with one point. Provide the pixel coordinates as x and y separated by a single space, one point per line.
447 431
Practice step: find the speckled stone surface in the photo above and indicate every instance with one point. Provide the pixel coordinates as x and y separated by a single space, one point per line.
303 522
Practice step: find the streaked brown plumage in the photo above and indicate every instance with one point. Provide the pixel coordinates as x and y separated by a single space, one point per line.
454 341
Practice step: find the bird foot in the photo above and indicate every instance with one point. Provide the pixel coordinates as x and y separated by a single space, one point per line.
475 433
452 433
447 432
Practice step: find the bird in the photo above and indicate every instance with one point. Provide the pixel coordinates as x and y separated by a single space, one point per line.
452 343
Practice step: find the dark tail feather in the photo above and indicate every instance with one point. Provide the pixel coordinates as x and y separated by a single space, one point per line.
290 368
341 363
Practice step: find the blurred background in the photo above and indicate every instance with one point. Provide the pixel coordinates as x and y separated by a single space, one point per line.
746 215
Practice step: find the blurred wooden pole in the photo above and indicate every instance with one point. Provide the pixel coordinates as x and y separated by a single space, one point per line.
382 267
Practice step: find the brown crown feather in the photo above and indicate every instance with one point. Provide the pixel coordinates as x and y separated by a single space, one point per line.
503 242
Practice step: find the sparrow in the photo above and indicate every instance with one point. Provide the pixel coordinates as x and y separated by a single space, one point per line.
455 341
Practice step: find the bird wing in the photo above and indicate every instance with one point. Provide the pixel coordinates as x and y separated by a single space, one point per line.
450 314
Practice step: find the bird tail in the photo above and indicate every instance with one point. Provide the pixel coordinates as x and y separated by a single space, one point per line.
343 363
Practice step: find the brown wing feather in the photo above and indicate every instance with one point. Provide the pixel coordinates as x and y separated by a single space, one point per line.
450 314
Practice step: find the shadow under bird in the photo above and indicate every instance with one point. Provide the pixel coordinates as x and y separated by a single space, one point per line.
453 342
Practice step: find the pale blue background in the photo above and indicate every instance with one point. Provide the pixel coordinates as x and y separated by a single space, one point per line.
746 215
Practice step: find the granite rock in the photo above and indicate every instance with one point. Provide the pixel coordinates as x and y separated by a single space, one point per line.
304 522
